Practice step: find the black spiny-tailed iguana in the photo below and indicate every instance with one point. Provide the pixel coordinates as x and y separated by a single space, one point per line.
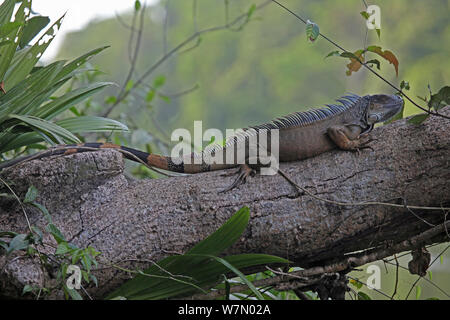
301 135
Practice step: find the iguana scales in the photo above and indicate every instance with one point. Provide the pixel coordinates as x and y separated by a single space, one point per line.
344 125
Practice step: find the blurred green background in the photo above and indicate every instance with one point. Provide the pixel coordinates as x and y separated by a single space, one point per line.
269 69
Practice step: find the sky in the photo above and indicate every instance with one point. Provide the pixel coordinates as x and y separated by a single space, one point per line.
79 14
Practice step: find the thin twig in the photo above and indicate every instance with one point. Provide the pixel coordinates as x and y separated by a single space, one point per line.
366 203
365 284
133 59
348 263
165 26
396 277
177 48
428 280
365 65
131 38
123 23
420 277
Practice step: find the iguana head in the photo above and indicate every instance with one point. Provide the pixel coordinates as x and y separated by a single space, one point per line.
382 107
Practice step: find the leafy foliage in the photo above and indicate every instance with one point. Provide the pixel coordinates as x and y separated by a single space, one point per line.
29 108
312 31
270 69
199 268
436 102
358 57
65 254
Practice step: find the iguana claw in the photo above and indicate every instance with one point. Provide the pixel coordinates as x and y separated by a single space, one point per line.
364 145
244 171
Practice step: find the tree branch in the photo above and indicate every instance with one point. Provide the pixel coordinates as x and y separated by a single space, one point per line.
93 204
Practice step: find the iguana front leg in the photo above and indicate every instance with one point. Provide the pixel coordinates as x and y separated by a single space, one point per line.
349 137
243 172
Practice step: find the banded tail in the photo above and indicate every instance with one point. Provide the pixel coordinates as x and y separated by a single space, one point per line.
153 160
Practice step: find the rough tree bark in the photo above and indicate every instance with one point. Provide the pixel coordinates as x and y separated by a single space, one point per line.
93 203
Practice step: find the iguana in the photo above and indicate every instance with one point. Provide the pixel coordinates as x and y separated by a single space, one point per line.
344 125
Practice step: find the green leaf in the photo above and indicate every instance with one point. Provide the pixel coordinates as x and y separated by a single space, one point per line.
85 276
418 119
374 61
74 294
111 99
32 27
225 236
86 261
199 268
27 289
19 242
7 52
31 194
312 31
9 28
378 31
137 5
54 231
66 101
44 211
355 283
163 97
129 85
404 85
240 275
26 97
9 234
227 288
55 132
159 81
250 11
418 292
6 11
4 43
94 279
347 54
363 296
37 234
440 99
150 96
333 53
62 249
91 124
365 14
21 69
70 67
194 272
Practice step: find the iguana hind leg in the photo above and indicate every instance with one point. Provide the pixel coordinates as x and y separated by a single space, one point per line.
243 172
